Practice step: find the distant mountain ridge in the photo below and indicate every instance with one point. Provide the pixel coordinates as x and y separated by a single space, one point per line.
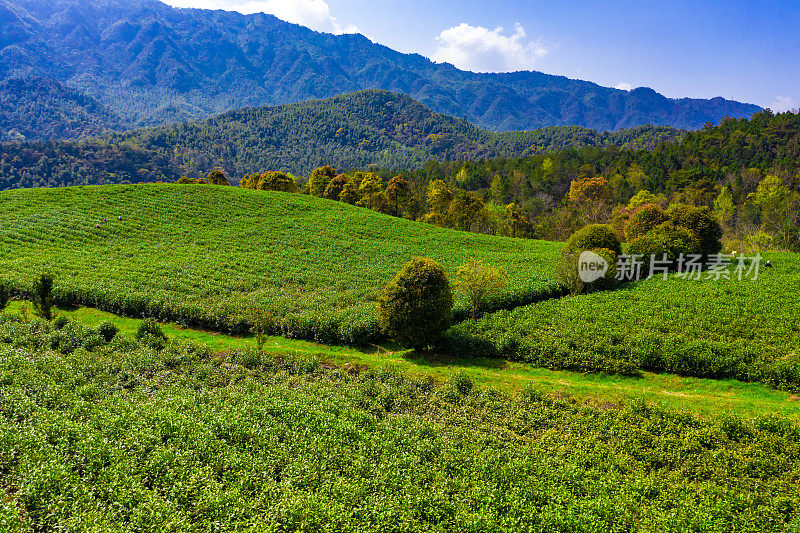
371 127
152 64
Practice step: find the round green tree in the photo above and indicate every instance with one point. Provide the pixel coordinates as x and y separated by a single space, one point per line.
646 218
591 237
415 307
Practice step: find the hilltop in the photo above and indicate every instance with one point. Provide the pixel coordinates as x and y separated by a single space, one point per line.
152 64
206 255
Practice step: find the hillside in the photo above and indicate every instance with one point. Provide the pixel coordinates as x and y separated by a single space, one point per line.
38 109
351 131
152 64
205 256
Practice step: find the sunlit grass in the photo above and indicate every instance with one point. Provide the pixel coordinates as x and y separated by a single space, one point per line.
704 397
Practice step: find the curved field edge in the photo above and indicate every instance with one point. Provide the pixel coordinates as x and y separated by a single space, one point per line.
205 255
702 397
747 330
111 435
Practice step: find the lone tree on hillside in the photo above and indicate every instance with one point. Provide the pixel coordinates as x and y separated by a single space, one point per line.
415 307
42 296
479 280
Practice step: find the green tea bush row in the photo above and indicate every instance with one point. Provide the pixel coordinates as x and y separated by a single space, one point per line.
748 330
205 256
124 437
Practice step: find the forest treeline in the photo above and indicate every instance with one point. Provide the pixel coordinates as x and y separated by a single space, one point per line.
747 172
353 131
543 184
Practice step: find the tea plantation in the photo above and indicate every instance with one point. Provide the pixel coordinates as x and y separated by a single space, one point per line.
204 256
113 435
748 329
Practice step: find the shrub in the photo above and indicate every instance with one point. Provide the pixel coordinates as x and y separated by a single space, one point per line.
150 334
665 239
107 330
479 280
702 223
592 237
217 177
416 306
60 322
568 272
646 218
42 296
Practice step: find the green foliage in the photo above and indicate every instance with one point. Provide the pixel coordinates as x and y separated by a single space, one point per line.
415 307
666 241
108 331
126 438
591 237
149 333
205 256
704 328
319 180
644 219
217 177
42 296
480 281
702 223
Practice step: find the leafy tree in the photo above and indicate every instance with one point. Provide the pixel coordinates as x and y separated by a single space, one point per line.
724 207
400 195
501 184
371 188
217 177
274 181
590 196
644 219
415 307
335 188
439 196
780 210
645 197
516 222
319 180
701 222
349 194
480 280
42 296
467 209
592 237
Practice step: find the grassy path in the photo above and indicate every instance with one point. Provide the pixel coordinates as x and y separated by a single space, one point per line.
705 397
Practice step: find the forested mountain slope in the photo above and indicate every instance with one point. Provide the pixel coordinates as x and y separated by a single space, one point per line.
351 131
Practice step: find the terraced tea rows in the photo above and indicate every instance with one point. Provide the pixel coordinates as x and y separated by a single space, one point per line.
749 330
204 256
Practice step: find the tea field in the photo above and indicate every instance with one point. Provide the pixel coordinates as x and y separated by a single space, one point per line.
112 435
748 330
204 256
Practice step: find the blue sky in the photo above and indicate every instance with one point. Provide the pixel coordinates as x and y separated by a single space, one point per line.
743 50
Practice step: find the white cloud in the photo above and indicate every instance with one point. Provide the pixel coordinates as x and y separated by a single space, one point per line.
783 103
315 14
482 50
623 86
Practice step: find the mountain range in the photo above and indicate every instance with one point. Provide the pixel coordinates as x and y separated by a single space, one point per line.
142 63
